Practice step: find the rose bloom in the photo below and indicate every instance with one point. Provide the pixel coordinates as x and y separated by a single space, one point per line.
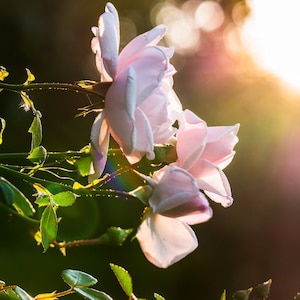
177 201
165 236
204 151
140 104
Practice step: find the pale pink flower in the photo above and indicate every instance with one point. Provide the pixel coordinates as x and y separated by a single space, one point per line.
204 152
140 105
165 236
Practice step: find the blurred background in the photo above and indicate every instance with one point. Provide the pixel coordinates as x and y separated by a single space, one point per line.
237 62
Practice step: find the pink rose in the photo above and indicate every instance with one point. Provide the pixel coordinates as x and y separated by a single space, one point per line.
204 152
140 105
165 236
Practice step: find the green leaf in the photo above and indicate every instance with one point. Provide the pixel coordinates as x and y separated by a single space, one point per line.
12 295
22 294
16 198
262 290
159 297
143 193
38 155
83 165
48 226
3 123
79 279
124 278
223 296
43 201
114 236
92 294
7 191
5 296
64 198
242 294
36 130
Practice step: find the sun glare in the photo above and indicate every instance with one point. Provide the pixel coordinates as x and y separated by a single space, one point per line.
271 35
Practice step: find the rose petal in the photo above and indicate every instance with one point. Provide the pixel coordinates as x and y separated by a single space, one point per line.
109 39
220 143
140 42
198 217
165 241
99 145
176 194
213 181
191 139
144 139
120 107
155 62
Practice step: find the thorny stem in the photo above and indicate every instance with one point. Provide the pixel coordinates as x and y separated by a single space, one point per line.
99 89
7 287
55 155
65 293
77 243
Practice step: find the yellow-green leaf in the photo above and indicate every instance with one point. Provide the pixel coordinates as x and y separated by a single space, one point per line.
3 123
83 165
30 77
38 155
43 201
124 279
41 190
3 73
48 226
36 131
66 198
159 297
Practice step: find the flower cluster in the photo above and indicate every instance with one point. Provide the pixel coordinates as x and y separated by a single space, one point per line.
140 111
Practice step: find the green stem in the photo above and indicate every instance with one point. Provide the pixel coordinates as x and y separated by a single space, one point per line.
65 293
98 89
77 243
50 155
56 155
66 187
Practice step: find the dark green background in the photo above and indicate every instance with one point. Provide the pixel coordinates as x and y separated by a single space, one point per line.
254 240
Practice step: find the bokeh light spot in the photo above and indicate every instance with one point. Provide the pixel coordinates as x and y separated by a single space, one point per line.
209 15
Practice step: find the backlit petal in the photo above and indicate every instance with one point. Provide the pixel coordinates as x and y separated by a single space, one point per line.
149 38
191 139
165 241
99 145
120 108
213 181
109 39
144 138
220 143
